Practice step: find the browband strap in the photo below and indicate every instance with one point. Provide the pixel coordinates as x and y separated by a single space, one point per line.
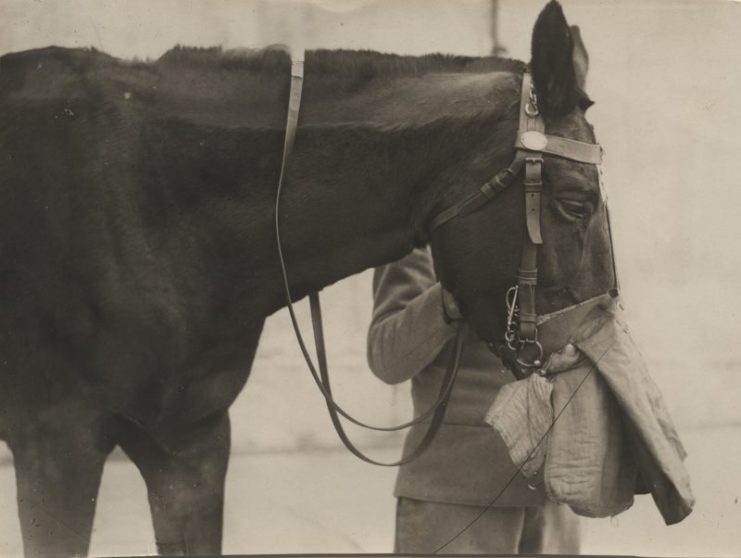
566 148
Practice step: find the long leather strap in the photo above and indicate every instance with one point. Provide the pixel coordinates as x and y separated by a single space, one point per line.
437 410
527 274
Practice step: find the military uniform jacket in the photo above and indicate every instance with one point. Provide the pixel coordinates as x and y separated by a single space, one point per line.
467 462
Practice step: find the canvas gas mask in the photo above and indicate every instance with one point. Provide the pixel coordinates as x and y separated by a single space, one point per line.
591 424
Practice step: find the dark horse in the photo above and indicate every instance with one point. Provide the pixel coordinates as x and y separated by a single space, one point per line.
137 249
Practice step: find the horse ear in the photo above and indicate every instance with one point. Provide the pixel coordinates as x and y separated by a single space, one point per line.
553 64
580 57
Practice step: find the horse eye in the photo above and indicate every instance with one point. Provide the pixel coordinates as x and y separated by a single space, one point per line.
574 210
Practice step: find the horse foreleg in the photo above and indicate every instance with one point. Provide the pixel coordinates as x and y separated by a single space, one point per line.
58 466
185 484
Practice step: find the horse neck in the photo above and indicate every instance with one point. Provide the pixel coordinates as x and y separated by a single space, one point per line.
358 197
368 167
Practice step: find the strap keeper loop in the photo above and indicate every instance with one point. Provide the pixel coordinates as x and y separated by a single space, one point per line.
527 317
527 276
487 189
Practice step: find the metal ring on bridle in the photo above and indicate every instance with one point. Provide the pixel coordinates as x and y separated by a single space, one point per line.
537 361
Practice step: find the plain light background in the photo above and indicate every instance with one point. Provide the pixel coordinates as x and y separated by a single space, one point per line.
665 77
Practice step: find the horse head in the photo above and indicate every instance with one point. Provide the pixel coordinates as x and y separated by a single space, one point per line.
479 253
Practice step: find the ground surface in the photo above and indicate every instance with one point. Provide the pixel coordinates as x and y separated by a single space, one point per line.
326 501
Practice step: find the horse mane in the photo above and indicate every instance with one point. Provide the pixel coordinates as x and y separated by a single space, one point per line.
342 63
249 88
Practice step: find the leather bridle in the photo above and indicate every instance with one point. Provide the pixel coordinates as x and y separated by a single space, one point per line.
531 144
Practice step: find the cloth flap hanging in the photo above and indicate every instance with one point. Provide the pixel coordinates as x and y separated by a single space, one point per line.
522 415
589 465
654 441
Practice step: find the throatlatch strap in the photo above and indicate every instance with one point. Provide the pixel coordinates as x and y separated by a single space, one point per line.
487 192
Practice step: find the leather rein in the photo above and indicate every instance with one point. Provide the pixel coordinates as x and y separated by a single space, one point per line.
437 410
522 334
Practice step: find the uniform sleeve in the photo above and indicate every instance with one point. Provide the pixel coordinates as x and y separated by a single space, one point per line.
407 330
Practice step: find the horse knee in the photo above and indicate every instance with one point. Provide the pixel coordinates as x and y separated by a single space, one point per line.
184 472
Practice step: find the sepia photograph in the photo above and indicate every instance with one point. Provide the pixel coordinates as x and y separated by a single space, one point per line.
416 277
